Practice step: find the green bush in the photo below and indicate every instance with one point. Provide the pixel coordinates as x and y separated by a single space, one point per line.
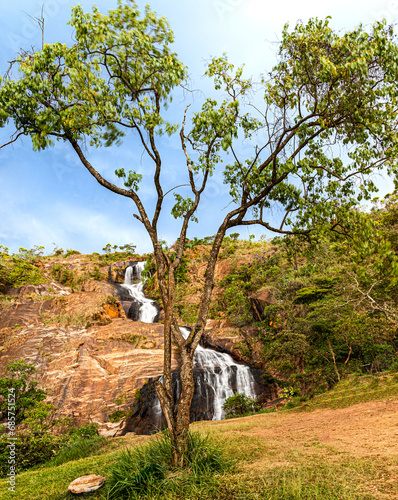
4 278
239 405
117 415
18 391
84 431
31 450
23 273
37 446
70 252
66 276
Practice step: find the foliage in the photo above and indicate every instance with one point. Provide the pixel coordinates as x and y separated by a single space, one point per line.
118 415
17 383
326 88
145 472
18 269
32 450
22 273
84 431
239 405
309 294
40 419
37 445
70 252
68 277
4 278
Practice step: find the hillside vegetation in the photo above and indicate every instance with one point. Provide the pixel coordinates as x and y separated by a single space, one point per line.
316 315
331 298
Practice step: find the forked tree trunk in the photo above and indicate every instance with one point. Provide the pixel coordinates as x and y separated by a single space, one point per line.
177 414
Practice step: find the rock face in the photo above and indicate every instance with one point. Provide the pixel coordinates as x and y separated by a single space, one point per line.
260 301
94 372
100 366
117 270
86 484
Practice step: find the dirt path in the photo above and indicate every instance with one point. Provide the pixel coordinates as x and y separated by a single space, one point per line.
362 438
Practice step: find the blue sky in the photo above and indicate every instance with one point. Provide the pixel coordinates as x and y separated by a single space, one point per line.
48 197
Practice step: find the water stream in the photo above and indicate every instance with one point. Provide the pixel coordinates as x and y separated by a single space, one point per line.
147 309
217 375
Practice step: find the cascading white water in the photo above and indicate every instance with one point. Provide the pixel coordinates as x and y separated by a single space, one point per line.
147 312
219 370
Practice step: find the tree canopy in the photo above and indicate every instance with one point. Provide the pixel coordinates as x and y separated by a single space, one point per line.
319 126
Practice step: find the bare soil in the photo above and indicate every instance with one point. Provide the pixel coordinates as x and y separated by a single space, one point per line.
361 439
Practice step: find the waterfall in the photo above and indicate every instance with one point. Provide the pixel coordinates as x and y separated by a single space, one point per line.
147 310
217 375
223 374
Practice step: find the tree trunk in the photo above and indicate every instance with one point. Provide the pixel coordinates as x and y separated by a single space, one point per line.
177 414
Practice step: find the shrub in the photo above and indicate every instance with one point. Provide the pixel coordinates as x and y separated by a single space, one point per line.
70 252
239 405
4 278
32 450
38 446
84 431
17 386
117 415
66 276
23 273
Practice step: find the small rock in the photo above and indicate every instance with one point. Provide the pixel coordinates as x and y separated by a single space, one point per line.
85 484
114 429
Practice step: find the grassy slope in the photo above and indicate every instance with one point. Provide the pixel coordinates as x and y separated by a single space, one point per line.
340 446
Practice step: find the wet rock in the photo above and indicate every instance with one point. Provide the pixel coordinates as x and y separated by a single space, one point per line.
117 271
86 484
133 312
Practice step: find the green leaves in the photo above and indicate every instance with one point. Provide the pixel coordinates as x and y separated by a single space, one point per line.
131 180
182 207
118 74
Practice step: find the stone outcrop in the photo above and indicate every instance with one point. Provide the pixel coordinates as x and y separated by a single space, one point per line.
91 307
260 300
90 373
42 290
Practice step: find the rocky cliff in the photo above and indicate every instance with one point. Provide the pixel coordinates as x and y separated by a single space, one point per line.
96 363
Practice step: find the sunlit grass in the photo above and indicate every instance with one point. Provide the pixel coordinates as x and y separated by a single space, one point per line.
273 459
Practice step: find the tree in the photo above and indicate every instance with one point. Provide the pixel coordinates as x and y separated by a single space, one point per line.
17 391
326 122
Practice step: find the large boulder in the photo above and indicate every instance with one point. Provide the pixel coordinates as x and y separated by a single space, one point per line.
260 300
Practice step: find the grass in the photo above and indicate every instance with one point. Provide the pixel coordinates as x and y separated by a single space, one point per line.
285 455
79 448
356 389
